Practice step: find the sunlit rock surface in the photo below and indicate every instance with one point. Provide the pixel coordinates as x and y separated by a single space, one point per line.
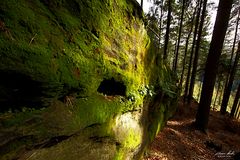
79 80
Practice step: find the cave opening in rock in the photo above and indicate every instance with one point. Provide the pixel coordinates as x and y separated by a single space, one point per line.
18 90
111 87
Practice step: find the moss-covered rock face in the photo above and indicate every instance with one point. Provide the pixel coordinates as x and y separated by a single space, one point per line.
79 80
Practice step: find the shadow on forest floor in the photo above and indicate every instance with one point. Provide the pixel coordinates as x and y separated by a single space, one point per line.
180 141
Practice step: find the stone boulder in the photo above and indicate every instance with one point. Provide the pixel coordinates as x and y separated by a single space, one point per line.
79 80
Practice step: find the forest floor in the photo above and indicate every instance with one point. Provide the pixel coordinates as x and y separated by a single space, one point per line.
180 141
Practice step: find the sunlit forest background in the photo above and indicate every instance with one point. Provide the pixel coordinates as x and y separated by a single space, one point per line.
190 32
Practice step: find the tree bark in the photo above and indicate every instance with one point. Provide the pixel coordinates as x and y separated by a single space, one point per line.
165 55
199 90
216 45
232 53
195 61
235 103
160 27
218 88
199 6
179 37
227 92
238 111
186 49
235 37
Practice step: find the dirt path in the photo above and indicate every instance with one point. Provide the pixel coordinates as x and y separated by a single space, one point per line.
180 141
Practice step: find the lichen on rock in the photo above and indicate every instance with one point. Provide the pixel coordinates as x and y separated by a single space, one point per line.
80 80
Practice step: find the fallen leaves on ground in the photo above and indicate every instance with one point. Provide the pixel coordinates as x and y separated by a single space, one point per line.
180 141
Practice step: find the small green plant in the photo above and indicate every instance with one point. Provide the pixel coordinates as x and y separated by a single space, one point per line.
147 90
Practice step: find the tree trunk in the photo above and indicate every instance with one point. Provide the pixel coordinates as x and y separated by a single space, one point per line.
142 3
232 53
235 103
186 49
179 37
221 95
235 37
199 6
216 45
165 55
238 111
195 61
218 88
160 27
175 48
199 90
184 59
227 92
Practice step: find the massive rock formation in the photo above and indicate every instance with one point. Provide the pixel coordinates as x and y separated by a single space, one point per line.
79 80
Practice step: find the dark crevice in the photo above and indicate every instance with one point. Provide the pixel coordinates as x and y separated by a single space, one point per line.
104 139
94 32
111 87
118 144
99 139
15 141
31 143
93 125
52 142
18 90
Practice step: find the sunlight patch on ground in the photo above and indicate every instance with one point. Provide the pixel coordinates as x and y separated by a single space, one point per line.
180 123
176 132
174 123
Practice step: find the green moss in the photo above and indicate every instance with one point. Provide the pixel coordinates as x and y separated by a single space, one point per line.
133 140
18 119
97 109
156 123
